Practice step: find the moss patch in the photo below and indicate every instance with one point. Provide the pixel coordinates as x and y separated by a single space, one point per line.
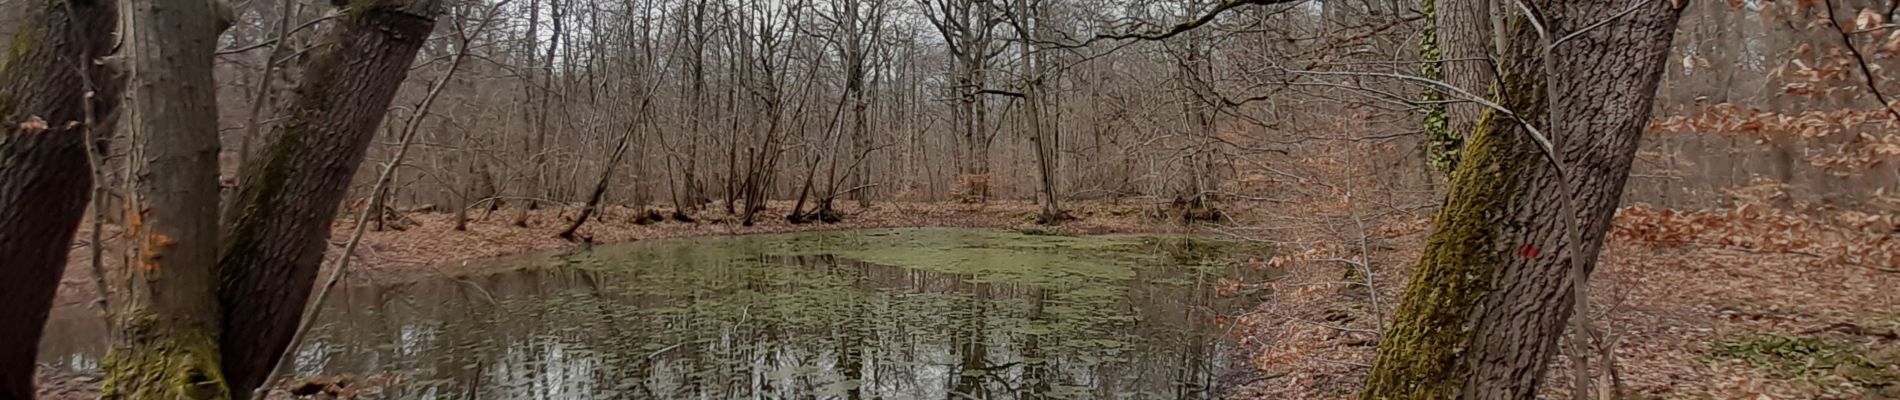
173 362
1867 365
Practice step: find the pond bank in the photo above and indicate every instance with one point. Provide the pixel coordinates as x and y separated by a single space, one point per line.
424 243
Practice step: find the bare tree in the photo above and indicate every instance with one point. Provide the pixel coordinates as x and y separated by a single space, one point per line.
967 29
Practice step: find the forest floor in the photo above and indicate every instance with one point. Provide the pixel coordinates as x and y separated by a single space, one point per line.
1739 303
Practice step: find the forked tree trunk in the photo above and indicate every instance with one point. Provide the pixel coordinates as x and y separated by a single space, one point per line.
1491 294
276 244
44 178
166 343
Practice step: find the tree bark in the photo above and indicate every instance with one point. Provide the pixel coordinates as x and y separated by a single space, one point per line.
44 176
1464 40
1492 292
276 244
166 343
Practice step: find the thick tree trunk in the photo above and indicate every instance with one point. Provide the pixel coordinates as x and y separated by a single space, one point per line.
276 244
166 343
1464 40
1492 292
44 178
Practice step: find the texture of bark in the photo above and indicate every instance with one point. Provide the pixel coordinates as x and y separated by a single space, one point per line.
165 344
1465 43
275 245
1491 294
44 176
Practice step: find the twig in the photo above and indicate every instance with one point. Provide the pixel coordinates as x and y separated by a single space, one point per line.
1179 28
1634 5
275 43
1538 136
1861 59
97 247
263 95
1372 290
656 353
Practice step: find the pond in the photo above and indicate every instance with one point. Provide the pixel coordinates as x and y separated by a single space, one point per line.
881 314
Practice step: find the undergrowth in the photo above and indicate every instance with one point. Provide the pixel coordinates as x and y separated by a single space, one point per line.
1816 359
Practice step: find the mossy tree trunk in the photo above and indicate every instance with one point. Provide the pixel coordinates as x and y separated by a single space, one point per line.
44 176
165 346
1491 293
275 245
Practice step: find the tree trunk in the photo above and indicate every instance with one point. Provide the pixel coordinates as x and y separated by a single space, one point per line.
166 343
600 188
1492 292
1042 133
276 244
1464 40
1441 142
44 178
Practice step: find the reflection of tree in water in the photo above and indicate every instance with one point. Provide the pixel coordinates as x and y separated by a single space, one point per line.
718 322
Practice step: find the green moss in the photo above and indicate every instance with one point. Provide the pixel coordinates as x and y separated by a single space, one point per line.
1420 357
1005 257
986 256
18 50
21 45
164 363
1811 358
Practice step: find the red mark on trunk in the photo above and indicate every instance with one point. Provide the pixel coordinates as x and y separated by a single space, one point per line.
1527 251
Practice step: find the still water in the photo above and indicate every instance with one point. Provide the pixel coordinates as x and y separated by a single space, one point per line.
882 314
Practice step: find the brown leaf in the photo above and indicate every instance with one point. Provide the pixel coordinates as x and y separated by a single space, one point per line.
1868 20
33 125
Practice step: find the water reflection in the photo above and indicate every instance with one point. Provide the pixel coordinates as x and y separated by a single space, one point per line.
969 315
